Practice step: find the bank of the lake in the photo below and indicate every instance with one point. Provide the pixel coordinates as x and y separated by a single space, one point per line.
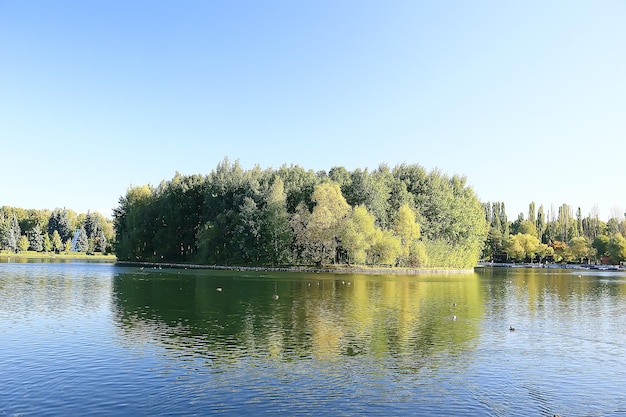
32 255
343 269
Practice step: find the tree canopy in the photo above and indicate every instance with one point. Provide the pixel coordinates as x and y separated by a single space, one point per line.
45 230
403 216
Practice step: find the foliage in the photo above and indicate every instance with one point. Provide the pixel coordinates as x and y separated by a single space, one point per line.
43 228
46 245
82 241
35 239
567 236
617 248
57 243
60 221
358 234
522 246
23 243
297 216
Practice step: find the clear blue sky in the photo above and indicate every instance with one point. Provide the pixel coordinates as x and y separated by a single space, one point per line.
525 98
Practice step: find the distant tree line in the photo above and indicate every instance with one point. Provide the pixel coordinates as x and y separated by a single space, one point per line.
53 231
404 216
556 235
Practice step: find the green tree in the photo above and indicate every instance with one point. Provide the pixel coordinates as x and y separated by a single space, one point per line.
527 227
541 224
35 238
373 191
135 224
57 243
23 244
82 241
601 245
580 249
276 234
617 248
47 243
247 235
100 242
12 233
494 244
61 222
532 214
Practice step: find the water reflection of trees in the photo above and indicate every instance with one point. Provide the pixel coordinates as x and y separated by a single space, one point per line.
553 298
53 289
326 317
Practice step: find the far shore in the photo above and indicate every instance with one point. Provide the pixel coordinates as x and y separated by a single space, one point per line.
325 269
601 267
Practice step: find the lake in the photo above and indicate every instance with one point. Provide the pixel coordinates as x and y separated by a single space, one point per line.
100 339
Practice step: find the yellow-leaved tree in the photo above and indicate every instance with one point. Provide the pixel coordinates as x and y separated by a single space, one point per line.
358 234
327 221
408 230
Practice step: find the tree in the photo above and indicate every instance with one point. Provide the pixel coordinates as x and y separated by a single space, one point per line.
47 243
527 227
543 251
23 243
357 234
12 233
541 223
580 249
601 245
560 250
386 248
327 220
408 230
100 242
276 235
532 214
57 243
617 248
494 243
246 239
35 238
60 221
82 241
92 224
135 224
522 246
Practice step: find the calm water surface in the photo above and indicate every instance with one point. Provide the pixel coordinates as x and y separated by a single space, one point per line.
100 339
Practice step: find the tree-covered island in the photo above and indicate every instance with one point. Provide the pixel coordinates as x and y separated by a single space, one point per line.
402 217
